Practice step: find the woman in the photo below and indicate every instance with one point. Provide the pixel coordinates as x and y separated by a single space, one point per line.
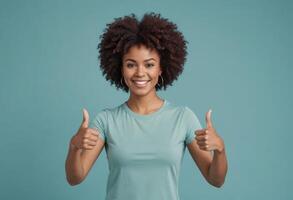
146 136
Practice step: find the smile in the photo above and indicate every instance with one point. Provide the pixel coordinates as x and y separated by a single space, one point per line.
141 83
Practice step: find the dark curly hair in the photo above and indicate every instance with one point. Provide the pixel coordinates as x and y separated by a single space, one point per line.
153 31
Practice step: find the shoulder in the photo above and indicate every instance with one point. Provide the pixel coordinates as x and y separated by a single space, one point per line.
108 111
188 112
184 109
180 109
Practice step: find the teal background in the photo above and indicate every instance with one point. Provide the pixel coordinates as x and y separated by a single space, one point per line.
239 64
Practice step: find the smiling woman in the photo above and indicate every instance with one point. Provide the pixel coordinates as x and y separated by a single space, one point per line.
146 136
141 69
157 34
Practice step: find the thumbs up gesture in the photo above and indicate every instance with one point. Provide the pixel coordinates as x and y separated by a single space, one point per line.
85 138
207 138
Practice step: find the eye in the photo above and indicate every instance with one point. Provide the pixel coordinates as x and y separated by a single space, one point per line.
149 65
129 65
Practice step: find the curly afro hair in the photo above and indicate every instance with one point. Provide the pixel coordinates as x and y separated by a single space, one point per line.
153 31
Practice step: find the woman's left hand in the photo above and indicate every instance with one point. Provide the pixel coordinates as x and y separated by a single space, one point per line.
208 138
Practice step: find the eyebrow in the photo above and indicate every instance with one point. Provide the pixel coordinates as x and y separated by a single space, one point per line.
144 60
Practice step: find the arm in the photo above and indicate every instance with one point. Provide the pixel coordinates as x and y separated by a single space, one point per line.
80 161
73 167
218 168
202 159
89 157
212 167
85 148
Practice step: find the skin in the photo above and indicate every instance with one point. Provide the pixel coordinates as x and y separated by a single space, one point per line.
144 64
140 63
84 149
213 167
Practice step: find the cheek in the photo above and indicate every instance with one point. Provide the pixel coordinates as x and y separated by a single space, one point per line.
154 73
127 74
155 76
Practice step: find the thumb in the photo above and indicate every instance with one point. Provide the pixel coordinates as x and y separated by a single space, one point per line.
85 122
208 119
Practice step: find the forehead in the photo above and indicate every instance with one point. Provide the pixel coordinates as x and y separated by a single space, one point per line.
141 52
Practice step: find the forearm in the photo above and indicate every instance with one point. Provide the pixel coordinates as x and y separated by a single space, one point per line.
218 168
73 166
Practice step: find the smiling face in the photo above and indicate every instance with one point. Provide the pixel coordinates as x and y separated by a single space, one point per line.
141 70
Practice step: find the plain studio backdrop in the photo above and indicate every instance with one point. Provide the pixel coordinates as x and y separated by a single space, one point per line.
239 64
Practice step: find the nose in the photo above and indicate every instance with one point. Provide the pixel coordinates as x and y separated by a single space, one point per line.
140 70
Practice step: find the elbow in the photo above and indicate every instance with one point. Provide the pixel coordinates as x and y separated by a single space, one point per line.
217 181
73 181
217 184
73 178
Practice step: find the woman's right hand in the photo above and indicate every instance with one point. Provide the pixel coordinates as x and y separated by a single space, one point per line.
85 138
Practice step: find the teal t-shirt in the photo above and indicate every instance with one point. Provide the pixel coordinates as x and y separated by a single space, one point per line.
145 152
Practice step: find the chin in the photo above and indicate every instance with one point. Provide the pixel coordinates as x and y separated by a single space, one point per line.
140 92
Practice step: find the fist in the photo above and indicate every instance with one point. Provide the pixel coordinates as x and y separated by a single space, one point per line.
85 138
207 138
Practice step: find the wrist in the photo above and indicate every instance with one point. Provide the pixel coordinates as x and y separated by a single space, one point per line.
219 151
221 148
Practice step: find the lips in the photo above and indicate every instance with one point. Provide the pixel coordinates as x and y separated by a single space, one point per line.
140 83
139 80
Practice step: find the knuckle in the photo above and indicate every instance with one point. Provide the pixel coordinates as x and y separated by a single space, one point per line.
85 140
88 135
84 136
95 135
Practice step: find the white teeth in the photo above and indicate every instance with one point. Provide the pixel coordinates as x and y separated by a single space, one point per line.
140 82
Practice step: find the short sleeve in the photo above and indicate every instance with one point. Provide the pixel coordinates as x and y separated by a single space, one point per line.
99 123
192 124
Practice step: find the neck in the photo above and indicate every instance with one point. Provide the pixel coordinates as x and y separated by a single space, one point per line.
144 104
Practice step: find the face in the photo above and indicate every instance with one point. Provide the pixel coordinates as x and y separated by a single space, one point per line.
141 70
